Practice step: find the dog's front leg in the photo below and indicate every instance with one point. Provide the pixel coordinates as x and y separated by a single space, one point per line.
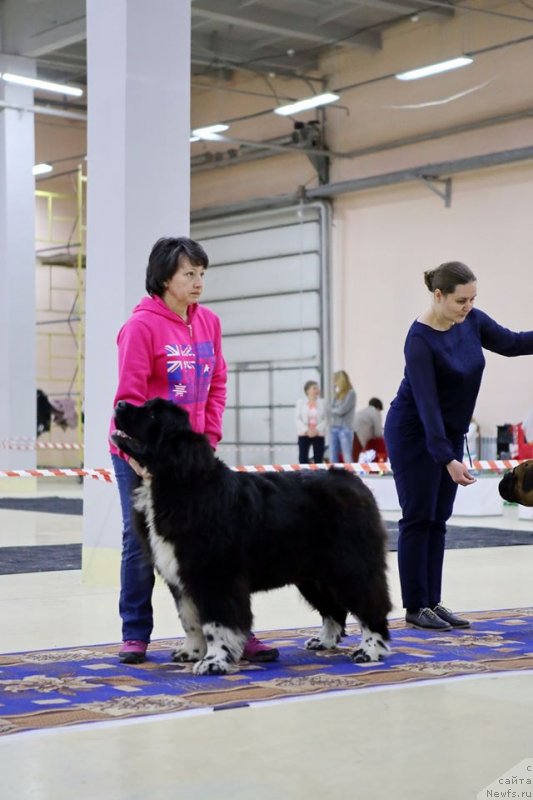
194 647
224 648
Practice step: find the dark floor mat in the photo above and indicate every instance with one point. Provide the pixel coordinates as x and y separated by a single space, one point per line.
49 505
40 558
460 538
49 558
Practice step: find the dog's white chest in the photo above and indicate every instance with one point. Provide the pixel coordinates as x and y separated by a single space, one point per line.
163 552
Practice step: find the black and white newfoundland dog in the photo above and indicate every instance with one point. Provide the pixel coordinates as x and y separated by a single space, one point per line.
216 536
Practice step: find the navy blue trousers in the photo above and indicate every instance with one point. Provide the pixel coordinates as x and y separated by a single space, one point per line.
426 494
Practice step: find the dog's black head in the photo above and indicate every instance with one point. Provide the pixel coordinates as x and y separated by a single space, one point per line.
517 485
159 436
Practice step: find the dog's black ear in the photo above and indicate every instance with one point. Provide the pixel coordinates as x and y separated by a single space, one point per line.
194 455
527 480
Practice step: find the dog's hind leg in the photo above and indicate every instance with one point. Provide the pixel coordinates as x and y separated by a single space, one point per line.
370 604
194 647
333 616
373 647
224 647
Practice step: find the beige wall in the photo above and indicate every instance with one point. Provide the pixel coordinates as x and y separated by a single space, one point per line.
383 239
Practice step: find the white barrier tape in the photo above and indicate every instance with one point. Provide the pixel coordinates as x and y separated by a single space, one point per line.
32 444
377 468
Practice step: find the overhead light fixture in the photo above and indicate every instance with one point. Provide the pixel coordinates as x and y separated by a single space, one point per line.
45 86
309 102
42 169
194 138
434 69
209 132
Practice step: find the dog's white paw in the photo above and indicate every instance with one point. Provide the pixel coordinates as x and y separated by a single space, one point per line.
211 665
182 654
328 637
315 643
372 648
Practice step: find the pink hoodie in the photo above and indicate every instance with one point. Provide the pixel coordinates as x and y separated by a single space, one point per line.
161 355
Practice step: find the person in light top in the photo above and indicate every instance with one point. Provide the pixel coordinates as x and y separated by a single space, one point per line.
342 418
311 424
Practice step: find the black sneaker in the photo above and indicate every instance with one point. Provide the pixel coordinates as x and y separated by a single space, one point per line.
426 619
449 617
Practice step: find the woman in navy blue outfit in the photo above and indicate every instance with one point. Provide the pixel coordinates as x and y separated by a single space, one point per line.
426 425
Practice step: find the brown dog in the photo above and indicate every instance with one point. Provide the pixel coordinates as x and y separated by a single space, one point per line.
517 485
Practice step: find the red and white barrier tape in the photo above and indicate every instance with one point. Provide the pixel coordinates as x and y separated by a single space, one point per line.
99 474
32 444
377 468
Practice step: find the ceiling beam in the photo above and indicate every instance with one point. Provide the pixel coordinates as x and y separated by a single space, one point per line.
32 29
286 25
233 54
401 7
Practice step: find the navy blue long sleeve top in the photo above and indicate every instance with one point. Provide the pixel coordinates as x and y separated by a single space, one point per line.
443 371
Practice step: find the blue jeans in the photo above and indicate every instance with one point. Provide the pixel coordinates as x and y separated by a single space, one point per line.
340 441
136 572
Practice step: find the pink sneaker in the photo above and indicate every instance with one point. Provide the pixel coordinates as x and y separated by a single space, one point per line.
133 651
256 651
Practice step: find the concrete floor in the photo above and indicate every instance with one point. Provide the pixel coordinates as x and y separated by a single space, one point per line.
444 739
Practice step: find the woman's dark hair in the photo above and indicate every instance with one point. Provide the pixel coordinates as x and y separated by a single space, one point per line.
164 261
308 384
448 276
376 402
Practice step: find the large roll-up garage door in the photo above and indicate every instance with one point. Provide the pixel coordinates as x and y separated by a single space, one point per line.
267 280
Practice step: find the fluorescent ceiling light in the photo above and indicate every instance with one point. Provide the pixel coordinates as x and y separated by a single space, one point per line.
194 138
42 169
208 131
433 69
303 105
45 86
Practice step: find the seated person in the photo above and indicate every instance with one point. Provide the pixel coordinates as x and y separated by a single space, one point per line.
368 425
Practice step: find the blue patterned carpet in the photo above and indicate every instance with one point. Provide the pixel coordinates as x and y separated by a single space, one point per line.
52 688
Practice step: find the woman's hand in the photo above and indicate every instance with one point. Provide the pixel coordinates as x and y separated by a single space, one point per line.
459 473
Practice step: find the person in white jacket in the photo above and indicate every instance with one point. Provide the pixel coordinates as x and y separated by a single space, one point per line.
311 424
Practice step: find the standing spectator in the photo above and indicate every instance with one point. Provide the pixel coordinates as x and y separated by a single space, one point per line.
426 425
368 425
342 417
311 424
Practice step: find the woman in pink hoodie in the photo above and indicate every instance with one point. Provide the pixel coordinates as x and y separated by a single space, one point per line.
170 347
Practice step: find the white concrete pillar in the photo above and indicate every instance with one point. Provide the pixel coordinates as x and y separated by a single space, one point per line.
138 190
17 268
